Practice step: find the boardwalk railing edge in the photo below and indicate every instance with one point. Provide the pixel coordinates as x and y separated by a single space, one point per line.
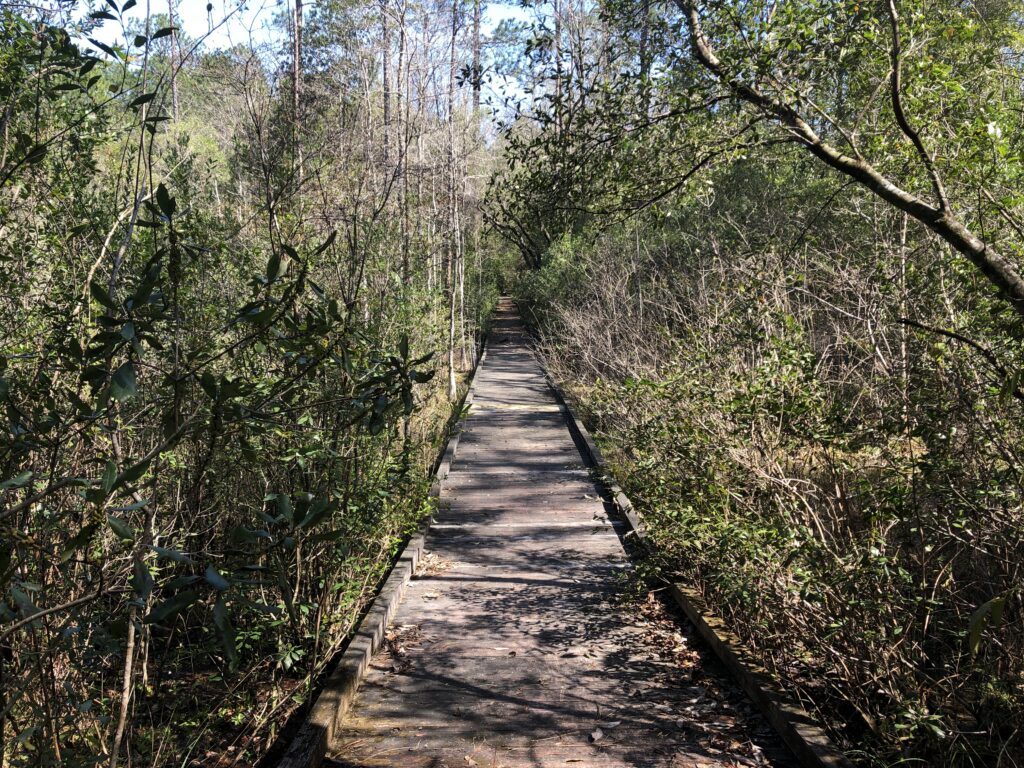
805 738
310 744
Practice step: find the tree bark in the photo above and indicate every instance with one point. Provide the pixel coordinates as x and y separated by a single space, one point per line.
297 91
385 31
174 59
453 222
477 71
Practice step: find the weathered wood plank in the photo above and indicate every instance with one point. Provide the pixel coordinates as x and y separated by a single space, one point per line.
516 643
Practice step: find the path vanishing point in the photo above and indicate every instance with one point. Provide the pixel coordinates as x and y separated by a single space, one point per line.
523 639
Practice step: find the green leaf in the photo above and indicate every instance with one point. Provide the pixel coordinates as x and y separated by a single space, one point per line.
171 607
284 506
164 32
171 554
104 47
222 621
217 581
317 512
988 614
109 476
36 154
140 40
130 475
124 531
18 481
138 101
99 293
168 205
273 267
122 383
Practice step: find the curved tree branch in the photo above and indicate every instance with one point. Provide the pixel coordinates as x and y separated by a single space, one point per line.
896 89
997 268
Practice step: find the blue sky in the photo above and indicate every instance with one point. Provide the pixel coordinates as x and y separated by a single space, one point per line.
237 22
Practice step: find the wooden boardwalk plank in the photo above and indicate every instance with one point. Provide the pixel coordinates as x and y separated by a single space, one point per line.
518 642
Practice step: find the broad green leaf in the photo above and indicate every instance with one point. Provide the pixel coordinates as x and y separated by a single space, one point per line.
171 607
167 204
124 531
138 101
988 614
171 554
213 576
222 621
18 481
122 383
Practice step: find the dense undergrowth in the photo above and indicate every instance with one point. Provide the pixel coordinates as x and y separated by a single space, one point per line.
843 489
224 298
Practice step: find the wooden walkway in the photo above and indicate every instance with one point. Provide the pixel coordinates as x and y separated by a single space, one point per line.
520 642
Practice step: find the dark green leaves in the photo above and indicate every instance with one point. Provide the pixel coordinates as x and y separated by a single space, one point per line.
213 576
988 615
99 293
104 47
222 621
18 481
171 554
171 607
167 204
273 267
122 383
123 531
138 101
36 154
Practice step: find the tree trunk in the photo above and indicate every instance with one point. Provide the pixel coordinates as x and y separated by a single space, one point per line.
174 60
453 222
385 32
297 92
477 71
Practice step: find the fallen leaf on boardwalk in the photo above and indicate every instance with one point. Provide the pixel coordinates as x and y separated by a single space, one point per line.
612 724
470 761
597 735
431 596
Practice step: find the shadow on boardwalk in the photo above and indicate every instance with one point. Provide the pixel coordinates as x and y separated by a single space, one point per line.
523 640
